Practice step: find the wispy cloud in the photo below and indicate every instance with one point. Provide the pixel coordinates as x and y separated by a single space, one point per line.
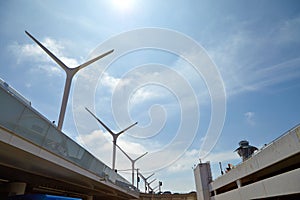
189 159
34 55
288 31
249 116
282 72
109 81
99 143
244 61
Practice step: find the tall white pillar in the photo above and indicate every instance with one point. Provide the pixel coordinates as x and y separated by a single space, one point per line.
89 198
203 177
239 183
16 188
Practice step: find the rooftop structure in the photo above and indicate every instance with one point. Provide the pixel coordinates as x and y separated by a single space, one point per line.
270 173
245 150
168 196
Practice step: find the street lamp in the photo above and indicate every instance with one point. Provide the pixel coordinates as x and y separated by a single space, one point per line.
160 184
70 74
145 180
114 135
132 161
149 187
155 188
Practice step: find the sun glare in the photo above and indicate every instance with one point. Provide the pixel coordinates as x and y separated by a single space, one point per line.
123 5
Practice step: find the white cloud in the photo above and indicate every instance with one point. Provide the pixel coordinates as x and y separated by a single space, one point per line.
158 85
34 55
245 63
250 118
109 81
144 94
222 156
281 72
188 160
49 70
185 162
100 145
289 30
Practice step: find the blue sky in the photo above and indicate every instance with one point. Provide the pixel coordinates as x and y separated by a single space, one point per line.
254 45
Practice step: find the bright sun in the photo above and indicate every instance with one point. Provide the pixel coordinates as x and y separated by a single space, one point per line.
123 5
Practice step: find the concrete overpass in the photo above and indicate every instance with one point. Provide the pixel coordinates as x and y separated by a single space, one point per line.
35 157
271 173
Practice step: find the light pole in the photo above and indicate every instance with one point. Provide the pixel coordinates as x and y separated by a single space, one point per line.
137 178
70 74
150 188
132 161
160 184
155 188
114 135
145 180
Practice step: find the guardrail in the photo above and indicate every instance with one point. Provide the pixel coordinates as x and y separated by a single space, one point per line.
19 117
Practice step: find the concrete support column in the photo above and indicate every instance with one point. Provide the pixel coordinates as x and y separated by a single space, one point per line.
239 183
16 188
89 198
203 178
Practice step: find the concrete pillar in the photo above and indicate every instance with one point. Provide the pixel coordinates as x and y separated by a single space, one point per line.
203 178
89 198
239 183
16 188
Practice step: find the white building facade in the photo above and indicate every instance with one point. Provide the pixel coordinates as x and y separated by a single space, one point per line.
271 173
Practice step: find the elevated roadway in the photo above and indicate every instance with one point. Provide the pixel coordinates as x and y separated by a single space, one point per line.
35 157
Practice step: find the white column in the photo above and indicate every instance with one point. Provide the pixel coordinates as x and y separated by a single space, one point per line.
16 188
203 178
89 198
239 183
